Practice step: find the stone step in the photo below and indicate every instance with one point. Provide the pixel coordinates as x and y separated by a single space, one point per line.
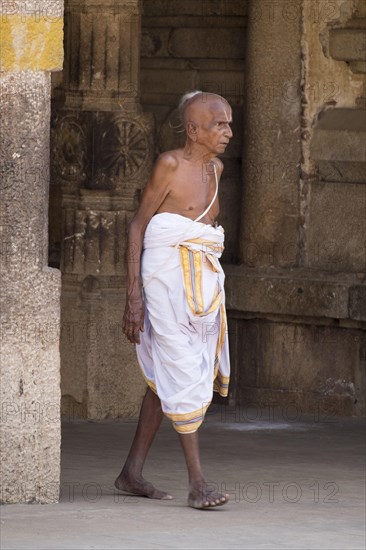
299 292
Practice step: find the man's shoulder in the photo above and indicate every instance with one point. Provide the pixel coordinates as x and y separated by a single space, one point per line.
169 159
218 163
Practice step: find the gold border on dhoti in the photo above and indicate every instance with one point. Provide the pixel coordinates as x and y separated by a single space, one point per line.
191 261
186 422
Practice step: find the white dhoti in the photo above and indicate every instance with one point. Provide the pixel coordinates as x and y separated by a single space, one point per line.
184 351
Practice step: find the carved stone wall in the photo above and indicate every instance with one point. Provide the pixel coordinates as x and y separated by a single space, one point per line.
102 152
298 301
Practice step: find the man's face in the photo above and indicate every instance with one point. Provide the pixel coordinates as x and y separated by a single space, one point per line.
213 126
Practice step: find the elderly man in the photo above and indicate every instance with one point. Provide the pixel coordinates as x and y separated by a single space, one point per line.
175 307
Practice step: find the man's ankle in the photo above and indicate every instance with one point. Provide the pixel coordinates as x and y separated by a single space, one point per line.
197 481
131 472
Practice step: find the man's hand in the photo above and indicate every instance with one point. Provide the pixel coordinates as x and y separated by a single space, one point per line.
133 319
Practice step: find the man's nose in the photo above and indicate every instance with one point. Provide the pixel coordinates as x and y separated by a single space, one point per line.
228 132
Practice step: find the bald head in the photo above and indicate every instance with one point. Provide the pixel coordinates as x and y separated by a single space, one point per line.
206 118
194 105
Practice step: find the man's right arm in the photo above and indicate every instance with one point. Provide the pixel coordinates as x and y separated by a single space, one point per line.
154 194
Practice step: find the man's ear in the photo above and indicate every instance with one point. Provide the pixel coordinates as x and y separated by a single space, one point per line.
191 129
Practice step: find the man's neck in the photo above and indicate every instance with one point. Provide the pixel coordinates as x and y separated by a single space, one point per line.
196 154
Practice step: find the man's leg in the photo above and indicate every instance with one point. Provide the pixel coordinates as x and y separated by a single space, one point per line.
201 495
130 479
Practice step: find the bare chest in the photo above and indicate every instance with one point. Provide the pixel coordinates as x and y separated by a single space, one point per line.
192 195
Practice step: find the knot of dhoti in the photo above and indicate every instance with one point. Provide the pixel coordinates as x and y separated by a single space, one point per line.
193 253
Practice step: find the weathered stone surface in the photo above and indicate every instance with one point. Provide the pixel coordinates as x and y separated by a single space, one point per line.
229 84
102 151
342 119
176 80
154 42
347 44
216 22
230 195
213 65
30 297
357 302
341 171
329 88
119 144
301 368
31 35
346 146
270 210
294 404
202 8
340 134
100 72
183 43
100 374
294 292
334 206
358 67
360 9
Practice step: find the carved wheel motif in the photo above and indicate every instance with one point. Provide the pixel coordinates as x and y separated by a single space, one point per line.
123 149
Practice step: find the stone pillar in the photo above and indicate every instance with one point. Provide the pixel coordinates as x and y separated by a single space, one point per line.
31 46
102 146
272 153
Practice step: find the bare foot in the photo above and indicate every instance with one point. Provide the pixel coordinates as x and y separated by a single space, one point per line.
140 487
202 495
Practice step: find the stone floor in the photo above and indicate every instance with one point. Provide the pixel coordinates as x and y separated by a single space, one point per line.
294 483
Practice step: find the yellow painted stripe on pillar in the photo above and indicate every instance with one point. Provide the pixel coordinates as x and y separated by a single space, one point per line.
28 43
